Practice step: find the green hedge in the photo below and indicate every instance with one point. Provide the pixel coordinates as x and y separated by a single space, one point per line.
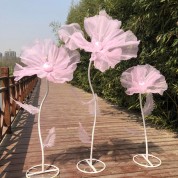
9 62
155 24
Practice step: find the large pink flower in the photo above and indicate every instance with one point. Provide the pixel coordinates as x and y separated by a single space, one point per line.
143 79
45 59
109 44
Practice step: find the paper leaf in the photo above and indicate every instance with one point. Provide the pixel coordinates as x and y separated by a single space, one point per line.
149 105
50 139
31 109
83 135
91 106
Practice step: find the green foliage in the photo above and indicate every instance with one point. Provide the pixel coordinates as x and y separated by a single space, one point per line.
155 24
157 27
55 27
9 62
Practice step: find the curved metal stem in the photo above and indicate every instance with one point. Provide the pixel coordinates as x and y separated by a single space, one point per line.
146 141
39 126
94 123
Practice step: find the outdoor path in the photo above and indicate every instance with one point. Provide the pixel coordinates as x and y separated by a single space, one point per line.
118 137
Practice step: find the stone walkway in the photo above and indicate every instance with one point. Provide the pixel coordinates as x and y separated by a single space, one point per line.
118 137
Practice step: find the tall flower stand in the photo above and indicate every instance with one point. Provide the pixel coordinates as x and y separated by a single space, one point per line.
146 160
91 165
42 169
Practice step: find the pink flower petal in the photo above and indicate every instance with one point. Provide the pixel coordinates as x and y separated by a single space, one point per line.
143 79
106 39
103 61
20 72
64 66
101 26
81 42
66 32
45 59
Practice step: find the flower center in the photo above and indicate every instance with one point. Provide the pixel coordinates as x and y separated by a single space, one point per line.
141 83
47 67
98 45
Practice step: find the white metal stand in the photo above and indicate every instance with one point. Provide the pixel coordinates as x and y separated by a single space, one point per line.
91 165
146 160
44 168
49 171
86 166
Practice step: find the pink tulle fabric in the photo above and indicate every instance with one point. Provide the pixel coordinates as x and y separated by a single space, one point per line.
109 44
31 109
83 135
143 79
50 139
45 59
66 33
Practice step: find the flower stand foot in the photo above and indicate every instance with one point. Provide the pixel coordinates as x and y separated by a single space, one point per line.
147 160
50 171
86 166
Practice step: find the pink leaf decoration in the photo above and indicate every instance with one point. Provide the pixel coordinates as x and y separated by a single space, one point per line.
46 60
91 106
83 135
31 109
143 79
50 139
149 105
109 44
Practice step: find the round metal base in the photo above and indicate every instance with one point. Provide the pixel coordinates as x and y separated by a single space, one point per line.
50 171
86 166
150 161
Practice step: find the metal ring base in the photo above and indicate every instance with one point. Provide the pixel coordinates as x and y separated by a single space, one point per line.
150 161
91 168
36 171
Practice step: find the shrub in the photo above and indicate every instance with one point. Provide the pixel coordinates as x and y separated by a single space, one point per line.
155 23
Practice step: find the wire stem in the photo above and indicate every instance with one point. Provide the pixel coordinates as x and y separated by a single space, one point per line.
143 117
39 126
94 123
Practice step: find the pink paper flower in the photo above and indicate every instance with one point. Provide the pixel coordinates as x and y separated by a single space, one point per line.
45 59
109 44
143 79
